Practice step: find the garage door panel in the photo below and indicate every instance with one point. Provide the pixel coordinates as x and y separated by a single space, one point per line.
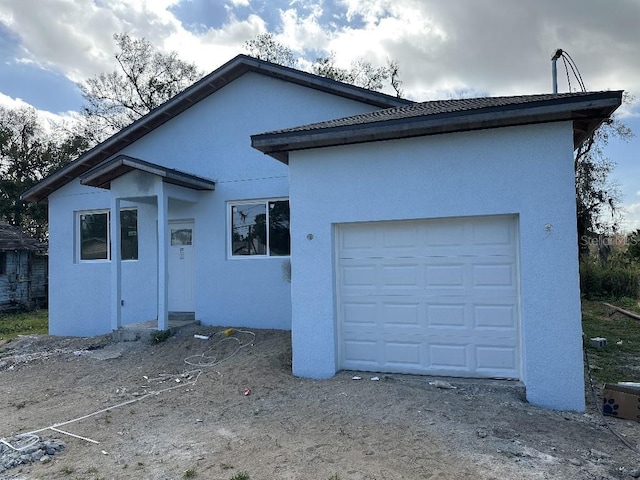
497 361
394 314
445 233
405 235
439 359
492 230
406 275
358 276
402 353
494 275
445 275
495 313
361 353
446 315
430 296
360 313
495 317
449 357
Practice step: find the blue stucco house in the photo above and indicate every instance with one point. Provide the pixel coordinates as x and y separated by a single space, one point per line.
389 236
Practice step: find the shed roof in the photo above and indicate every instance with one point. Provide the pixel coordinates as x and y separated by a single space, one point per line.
12 238
587 111
211 83
102 175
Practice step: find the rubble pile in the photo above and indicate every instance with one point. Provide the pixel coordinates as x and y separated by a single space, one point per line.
21 450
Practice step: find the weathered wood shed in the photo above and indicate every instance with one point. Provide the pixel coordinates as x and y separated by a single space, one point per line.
23 270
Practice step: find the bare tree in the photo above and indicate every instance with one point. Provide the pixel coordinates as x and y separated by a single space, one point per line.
360 73
597 197
265 47
144 79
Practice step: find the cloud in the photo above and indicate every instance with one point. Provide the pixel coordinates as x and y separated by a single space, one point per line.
443 48
498 47
48 120
630 215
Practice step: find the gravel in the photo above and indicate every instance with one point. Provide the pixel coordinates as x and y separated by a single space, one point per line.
23 449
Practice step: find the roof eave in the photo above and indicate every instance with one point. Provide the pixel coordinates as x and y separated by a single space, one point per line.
589 113
209 84
102 175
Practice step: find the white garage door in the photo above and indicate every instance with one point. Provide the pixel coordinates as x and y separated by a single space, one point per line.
429 296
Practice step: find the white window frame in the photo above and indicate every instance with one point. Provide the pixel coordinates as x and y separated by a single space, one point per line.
266 201
78 236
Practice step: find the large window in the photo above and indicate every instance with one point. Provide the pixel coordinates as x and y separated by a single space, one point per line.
94 242
260 228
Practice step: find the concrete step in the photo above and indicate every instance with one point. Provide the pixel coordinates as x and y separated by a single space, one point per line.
180 317
142 330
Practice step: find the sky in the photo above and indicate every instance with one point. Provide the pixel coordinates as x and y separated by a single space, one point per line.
445 48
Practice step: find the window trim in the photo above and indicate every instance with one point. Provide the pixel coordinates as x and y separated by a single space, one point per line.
229 229
78 235
78 232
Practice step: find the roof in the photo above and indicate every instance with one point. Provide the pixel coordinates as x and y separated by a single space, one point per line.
12 238
102 175
587 111
211 83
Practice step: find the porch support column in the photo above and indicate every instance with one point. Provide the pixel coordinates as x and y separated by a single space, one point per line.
116 265
163 259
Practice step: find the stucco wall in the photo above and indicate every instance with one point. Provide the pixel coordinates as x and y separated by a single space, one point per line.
78 292
527 171
211 139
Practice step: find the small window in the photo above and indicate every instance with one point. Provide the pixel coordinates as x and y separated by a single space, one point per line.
94 235
181 236
129 234
260 228
3 263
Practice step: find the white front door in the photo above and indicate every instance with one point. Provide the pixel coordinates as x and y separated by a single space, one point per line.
181 267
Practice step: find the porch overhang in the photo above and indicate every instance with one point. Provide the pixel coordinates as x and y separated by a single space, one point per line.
103 174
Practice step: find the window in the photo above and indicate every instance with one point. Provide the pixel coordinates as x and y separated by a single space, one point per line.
94 235
129 234
3 263
260 228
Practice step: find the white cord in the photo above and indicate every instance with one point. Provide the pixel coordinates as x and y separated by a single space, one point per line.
197 373
203 360
34 439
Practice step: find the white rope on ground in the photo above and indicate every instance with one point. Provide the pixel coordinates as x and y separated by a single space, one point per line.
203 360
34 439
227 336
119 405
73 435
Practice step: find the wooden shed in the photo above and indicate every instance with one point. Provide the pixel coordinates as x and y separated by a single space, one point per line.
23 270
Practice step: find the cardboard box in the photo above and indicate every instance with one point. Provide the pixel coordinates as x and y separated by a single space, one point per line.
622 401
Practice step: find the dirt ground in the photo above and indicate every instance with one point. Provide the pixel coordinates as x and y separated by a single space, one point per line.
202 425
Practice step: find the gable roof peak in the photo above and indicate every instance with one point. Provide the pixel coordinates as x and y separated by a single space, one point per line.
209 84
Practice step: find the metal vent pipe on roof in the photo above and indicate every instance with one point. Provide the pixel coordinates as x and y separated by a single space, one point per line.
554 69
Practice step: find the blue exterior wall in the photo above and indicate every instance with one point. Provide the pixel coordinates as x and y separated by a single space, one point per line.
526 171
211 139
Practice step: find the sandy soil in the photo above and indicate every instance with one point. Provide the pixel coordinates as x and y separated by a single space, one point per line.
399 427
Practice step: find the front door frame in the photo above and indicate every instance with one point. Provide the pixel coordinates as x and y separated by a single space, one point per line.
191 222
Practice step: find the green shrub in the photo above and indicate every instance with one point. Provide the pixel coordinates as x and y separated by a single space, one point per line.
160 336
610 281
